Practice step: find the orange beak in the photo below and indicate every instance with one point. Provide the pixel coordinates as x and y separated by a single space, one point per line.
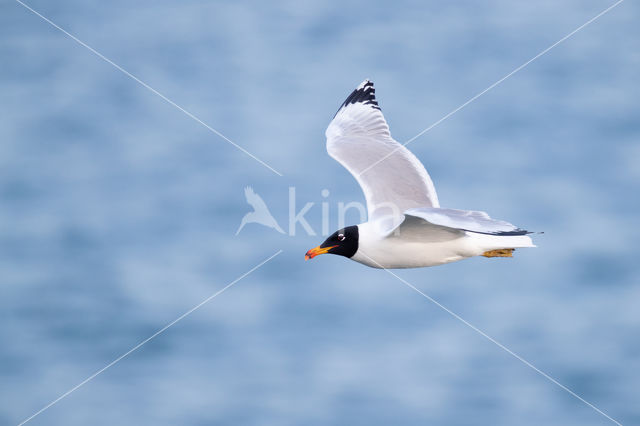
316 251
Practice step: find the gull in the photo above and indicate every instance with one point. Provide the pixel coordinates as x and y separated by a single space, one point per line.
406 226
260 213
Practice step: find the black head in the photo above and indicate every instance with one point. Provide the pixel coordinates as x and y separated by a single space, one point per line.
343 242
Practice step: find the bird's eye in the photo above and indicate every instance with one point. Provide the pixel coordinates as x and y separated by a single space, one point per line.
341 237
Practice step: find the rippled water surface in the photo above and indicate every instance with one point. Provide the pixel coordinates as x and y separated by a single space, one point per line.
118 213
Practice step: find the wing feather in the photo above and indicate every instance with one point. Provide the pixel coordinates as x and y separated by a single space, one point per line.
358 137
466 220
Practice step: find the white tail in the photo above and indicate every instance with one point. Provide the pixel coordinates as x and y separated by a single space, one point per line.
487 242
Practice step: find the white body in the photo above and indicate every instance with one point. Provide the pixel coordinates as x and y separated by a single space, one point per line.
412 248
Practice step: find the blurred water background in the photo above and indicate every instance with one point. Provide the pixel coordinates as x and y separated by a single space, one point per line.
118 213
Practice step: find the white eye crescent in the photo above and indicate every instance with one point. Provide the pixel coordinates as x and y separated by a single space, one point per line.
341 237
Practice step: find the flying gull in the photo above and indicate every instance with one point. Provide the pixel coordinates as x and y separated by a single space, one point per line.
406 226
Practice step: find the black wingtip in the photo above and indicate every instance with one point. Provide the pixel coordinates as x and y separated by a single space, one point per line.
514 232
365 94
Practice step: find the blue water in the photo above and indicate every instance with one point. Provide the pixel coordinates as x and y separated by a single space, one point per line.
118 213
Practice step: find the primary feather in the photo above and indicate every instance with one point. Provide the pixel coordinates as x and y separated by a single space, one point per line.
357 137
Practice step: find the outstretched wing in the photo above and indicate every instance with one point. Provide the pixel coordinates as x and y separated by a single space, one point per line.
358 138
255 200
466 220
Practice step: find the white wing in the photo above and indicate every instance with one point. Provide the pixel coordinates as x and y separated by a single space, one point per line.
358 137
466 220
